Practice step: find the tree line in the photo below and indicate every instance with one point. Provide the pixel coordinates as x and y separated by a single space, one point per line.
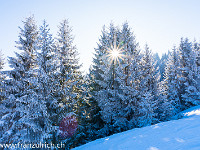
127 87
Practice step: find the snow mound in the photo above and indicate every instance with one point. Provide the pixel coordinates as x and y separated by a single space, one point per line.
182 134
192 111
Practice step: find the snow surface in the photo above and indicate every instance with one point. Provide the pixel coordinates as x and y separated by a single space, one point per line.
182 134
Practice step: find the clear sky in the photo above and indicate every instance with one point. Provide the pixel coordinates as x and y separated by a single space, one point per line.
159 23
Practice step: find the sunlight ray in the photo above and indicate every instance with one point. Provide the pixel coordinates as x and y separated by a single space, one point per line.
115 52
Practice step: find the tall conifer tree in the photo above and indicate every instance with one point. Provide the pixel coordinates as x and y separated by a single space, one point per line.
188 77
26 117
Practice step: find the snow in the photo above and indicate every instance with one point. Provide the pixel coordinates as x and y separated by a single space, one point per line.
180 134
1 123
192 111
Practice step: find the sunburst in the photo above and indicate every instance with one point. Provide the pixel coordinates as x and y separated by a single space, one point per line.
115 52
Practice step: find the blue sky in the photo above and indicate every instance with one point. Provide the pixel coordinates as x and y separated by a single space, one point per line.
158 23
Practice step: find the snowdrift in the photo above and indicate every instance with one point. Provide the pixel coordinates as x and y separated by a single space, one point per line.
182 134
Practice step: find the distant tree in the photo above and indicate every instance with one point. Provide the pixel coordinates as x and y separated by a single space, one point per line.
157 62
162 65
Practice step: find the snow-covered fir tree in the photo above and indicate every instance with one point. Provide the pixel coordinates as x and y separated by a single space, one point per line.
68 73
128 75
196 49
26 118
147 90
162 65
2 77
94 110
95 119
95 122
3 90
112 75
88 120
45 85
94 78
171 104
190 95
68 76
107 97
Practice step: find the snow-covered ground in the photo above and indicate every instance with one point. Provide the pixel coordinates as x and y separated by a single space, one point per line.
182 134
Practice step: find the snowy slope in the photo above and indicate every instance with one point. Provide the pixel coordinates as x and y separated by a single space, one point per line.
182 134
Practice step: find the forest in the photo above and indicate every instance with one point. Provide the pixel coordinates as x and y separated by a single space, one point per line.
46 98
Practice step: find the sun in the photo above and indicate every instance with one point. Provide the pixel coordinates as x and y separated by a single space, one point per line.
115 52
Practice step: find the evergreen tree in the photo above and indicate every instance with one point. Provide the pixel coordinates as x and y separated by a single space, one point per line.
68 73
147 90
196 48
162 65
108 98
27 113
3 88
87 127
158 63
188 75
171 88
95 122
45 85
103 72
2 78
128 75
112 76
69 90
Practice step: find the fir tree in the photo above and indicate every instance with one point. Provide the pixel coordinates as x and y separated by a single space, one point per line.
162 65
45 85
69 90
196 49
26 117
128 75
95 122
2 78
188 76
3 88
147 90
68 66
112 74
171 104
107 97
